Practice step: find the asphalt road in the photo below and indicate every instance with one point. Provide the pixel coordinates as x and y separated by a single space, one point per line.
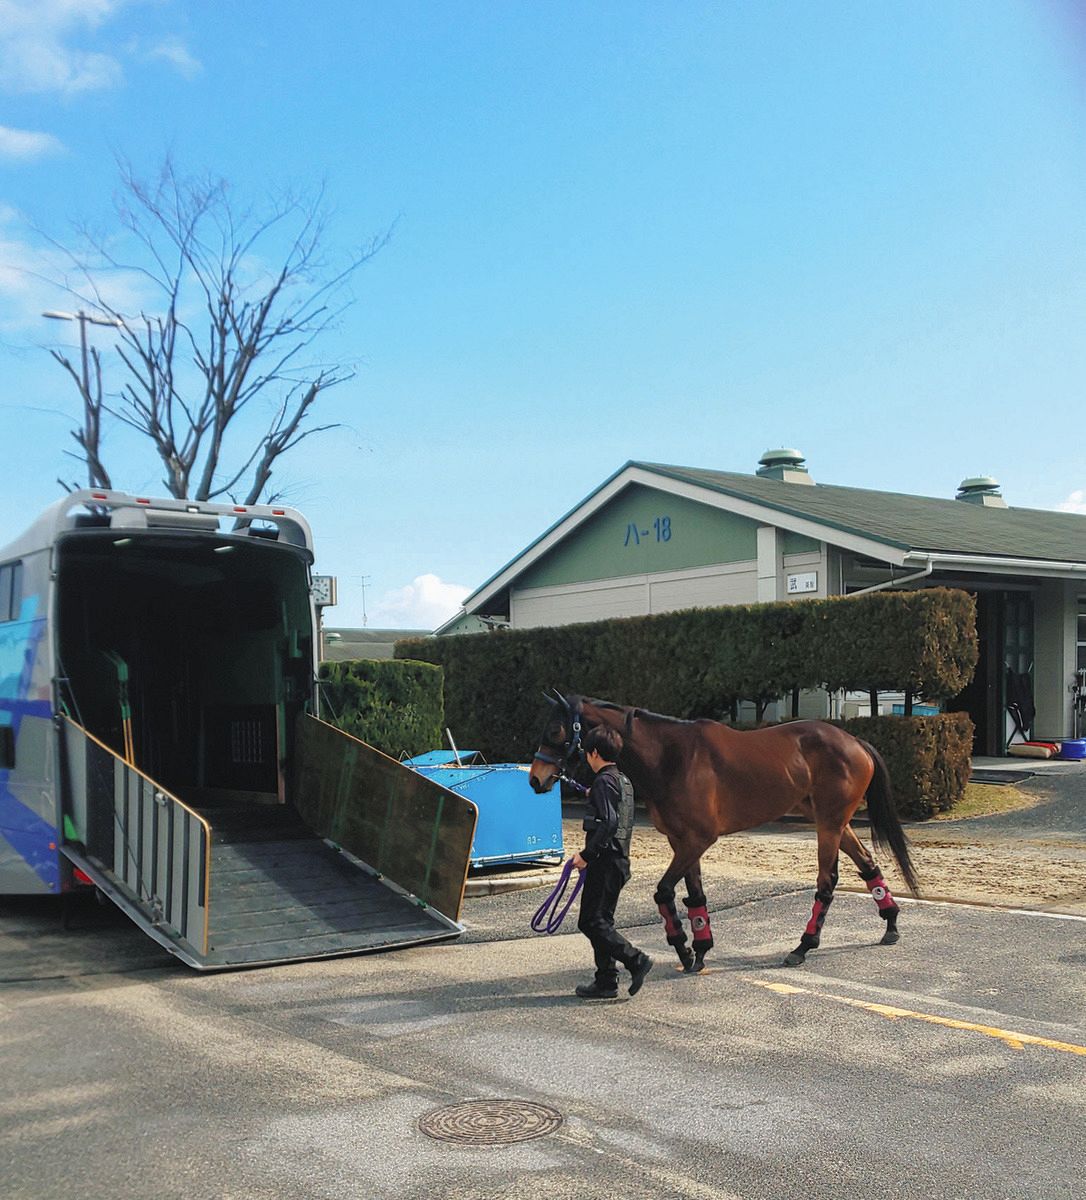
1061 816
951 1065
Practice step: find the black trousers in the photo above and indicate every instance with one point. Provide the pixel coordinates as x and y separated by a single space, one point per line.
604 878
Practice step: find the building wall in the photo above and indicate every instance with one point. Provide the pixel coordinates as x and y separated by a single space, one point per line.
644 531
651 552
564 604
665 591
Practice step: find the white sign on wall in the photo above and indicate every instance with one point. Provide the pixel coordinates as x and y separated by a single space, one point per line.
807 582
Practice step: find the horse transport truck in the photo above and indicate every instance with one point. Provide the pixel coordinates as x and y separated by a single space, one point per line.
160 740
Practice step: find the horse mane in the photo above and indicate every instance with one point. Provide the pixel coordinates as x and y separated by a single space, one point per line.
638 713
644 714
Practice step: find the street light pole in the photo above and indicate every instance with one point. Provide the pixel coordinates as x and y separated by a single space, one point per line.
81 318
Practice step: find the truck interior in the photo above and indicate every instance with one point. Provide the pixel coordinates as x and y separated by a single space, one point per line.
190 656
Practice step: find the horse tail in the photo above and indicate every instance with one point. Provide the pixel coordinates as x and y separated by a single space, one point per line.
886 827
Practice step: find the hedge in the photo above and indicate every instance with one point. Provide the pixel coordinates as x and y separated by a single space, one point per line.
928 758
396 706
701 662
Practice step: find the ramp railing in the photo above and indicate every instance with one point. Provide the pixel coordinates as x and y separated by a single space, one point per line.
150 846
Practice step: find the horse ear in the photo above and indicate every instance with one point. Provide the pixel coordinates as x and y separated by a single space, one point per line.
549 699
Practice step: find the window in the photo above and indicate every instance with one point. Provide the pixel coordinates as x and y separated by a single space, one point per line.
11 590
1018 634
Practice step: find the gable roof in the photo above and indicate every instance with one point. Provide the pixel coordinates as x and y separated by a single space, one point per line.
889 526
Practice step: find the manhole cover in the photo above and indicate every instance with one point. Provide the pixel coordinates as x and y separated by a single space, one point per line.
490 1122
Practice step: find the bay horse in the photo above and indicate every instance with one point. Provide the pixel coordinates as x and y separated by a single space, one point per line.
700 780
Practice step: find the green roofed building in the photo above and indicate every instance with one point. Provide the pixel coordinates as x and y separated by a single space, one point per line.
348 645
656 538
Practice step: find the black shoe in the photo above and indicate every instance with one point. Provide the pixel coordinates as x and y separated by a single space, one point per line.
642 966
593 991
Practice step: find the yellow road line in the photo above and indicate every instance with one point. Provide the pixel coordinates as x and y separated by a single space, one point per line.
1016 1041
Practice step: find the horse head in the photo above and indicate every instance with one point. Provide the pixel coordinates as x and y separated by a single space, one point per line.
560 743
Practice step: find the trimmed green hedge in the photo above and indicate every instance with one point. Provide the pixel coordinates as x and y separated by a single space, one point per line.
923 642
701 662
928 758
395 706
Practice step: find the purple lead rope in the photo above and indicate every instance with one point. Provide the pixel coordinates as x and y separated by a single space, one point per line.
548 916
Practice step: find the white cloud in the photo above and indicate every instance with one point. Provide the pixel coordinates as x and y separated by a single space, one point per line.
425 603
23 291
22 145
176 53
36 54
32 279
1075 503
44 47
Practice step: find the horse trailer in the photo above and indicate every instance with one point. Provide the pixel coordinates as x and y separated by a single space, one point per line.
160 739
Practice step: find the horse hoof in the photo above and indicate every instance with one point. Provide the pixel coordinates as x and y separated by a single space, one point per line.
890 938
795 959
687 961
697 965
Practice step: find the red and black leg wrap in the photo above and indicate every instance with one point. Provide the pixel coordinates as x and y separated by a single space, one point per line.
812 935
880 893
698 915
673 928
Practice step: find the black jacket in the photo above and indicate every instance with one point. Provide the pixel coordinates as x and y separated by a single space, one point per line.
609 820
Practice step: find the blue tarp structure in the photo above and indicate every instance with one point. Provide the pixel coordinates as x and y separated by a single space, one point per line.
515 825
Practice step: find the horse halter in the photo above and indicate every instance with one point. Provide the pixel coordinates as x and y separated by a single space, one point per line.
571 747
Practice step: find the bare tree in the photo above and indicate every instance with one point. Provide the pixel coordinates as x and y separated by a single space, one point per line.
88 381
237 300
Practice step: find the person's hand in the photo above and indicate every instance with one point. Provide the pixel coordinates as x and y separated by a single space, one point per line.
578 861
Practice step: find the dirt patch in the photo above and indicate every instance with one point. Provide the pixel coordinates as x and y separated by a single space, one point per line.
951 865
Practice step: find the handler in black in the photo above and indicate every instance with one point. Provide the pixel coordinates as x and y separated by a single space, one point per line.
605 861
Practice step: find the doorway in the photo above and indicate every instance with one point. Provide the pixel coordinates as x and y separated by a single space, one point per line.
1004 642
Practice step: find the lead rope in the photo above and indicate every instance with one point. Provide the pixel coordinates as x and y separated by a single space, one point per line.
548 917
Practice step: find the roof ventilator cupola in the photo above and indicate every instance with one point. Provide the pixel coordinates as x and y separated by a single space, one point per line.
981 489
786 465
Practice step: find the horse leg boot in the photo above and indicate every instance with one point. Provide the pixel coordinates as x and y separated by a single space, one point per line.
673 930
812 935
697 913
876 885
888 909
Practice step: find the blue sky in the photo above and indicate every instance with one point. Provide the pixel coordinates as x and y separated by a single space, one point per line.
681 233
